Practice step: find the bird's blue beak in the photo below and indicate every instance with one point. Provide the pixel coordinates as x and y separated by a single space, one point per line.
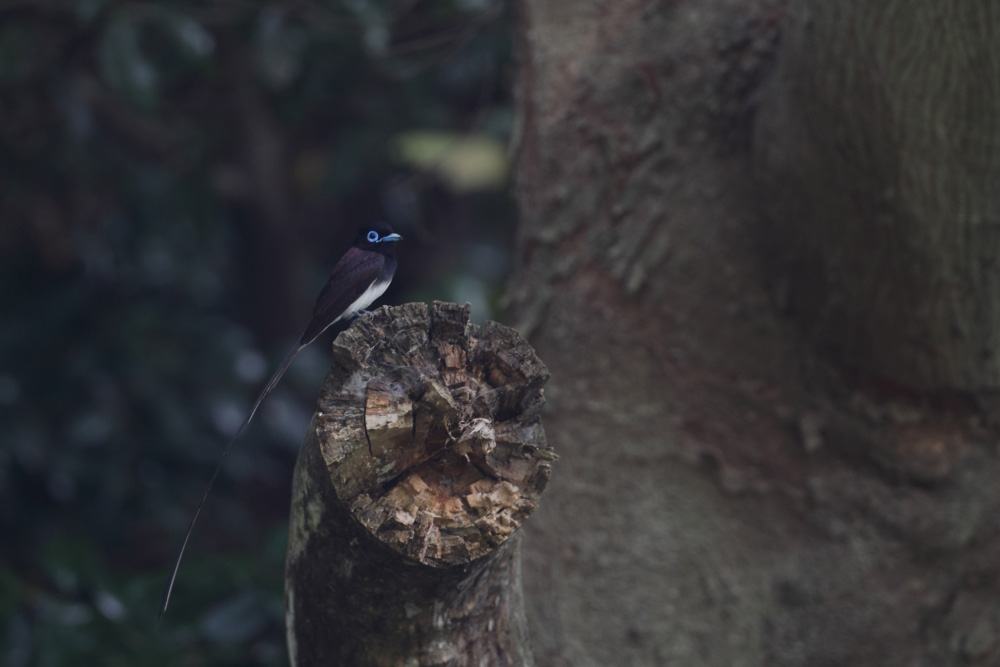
390 237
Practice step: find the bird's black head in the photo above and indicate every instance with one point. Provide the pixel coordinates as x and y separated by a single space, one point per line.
377 237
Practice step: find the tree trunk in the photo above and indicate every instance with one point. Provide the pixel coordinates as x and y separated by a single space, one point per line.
879 151
731 491
425 456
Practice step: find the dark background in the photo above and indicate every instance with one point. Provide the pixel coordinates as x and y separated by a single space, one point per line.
177 180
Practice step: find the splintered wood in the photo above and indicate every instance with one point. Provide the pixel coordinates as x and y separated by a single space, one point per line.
429 427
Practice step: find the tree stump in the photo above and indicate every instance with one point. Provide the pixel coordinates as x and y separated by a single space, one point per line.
425 455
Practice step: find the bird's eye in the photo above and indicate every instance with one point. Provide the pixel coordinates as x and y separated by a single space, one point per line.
373 237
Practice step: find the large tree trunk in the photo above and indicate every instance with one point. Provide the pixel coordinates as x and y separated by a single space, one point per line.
776 437
879 148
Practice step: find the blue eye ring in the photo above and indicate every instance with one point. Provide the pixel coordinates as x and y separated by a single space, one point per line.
372 237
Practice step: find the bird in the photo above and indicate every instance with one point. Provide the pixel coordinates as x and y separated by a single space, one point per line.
360 277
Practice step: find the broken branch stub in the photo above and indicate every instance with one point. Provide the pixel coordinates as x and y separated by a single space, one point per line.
444 455
424 457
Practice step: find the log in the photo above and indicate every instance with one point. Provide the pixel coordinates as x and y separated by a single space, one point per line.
424 457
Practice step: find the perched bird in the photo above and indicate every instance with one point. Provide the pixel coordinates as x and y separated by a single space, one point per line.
361 276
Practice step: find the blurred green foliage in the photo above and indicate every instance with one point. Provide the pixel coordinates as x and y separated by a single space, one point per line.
177 179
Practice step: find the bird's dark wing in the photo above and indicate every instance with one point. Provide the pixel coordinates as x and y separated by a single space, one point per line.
354 273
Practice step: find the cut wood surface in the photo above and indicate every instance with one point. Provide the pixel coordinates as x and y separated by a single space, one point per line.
425 455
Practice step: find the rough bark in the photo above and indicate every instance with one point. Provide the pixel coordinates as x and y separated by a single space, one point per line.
425 456
729 493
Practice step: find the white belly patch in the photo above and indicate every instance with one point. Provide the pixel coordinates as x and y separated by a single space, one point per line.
374 291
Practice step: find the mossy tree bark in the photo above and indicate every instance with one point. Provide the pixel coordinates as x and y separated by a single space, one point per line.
768 296
425 456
